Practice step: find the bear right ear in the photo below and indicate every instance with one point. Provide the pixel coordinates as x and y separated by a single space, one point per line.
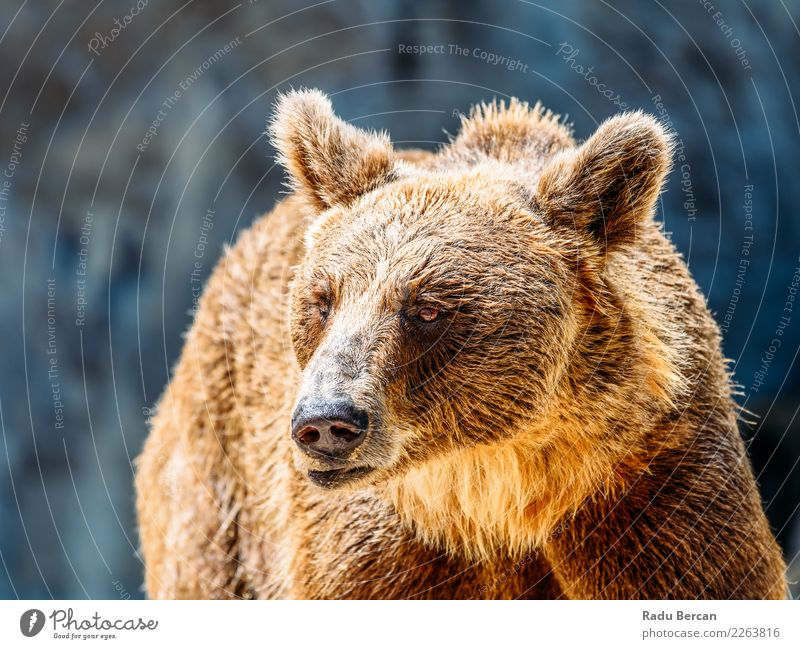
329 162
608 186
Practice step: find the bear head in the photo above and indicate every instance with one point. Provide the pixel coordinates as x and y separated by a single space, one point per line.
443 299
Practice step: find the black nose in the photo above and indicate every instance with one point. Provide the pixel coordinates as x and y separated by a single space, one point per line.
328 429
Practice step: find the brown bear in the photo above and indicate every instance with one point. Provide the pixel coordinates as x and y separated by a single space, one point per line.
483 372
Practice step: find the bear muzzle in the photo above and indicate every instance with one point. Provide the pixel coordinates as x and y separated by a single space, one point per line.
329 431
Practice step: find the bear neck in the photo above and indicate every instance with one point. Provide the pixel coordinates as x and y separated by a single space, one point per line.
508 496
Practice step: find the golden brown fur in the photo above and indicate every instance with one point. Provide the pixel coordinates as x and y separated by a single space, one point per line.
565 428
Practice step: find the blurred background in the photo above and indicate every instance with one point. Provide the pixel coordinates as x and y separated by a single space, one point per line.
131 147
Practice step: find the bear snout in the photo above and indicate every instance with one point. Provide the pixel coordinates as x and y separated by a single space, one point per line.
329 429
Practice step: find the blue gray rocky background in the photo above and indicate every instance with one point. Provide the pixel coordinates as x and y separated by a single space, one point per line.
132 151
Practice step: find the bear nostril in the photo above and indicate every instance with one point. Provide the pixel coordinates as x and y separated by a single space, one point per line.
343 433
308 435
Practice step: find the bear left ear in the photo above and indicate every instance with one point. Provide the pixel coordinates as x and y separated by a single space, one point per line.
608 185
329 162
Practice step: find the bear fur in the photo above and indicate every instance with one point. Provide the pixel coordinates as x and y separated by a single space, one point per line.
560 425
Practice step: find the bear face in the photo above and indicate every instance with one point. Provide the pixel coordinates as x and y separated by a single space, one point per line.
440 305
402 310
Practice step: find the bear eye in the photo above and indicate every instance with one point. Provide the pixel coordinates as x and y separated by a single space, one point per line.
322 300
428 314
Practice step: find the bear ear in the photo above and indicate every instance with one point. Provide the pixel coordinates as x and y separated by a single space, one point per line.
329 162
608 185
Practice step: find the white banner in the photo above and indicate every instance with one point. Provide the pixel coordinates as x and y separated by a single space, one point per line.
406 625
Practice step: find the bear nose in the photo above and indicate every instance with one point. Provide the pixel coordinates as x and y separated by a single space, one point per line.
329 429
